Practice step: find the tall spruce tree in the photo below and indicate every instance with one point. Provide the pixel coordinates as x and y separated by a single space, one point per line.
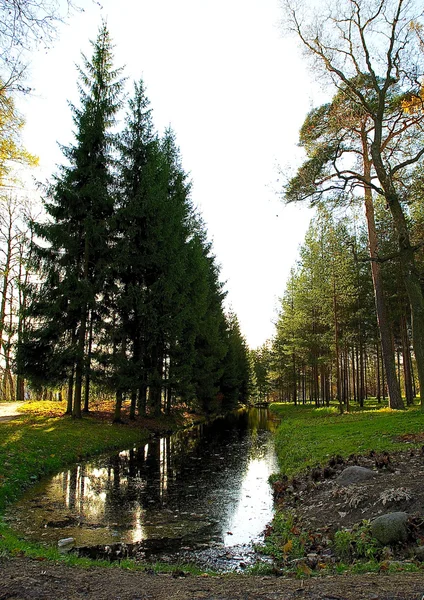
75 252
140 186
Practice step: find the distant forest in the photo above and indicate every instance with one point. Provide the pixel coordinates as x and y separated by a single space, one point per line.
327 344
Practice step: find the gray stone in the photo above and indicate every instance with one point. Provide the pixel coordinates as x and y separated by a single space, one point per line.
354 475
65 542
419 553
390 528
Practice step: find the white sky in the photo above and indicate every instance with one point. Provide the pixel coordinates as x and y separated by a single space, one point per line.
235 92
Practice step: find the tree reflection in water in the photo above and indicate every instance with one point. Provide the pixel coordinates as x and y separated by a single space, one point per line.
193 487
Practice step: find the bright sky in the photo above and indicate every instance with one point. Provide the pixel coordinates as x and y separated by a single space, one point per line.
235 92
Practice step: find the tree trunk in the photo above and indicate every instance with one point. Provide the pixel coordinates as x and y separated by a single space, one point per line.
155 383
133 405
336 345
407 258
142 400
79 362
79 366
88 366
395 398
407 370
378 374
118 407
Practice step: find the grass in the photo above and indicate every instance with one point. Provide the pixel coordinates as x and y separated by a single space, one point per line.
308 436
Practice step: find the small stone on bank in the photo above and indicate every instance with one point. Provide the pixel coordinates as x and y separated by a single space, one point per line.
390 528
65 542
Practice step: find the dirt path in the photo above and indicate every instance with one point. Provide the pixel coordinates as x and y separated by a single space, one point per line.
9 411
24 579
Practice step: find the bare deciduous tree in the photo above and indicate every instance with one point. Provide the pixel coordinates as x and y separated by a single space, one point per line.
24 25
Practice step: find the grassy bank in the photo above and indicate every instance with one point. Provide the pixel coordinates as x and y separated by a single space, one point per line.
309 436
41 442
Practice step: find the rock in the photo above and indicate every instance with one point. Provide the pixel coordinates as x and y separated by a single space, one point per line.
419 553
312 560
354 475
65 544
390 528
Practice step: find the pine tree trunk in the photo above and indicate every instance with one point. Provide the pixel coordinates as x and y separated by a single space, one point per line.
407 259
142 400
395 398
88 366
79 366
133 405
407 371
361 375
70 393
80 352
378 374
155 384
336 345
118 407
20 388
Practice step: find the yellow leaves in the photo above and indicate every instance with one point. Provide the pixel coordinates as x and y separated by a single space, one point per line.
11 150
288 547
384 566
303 569
418 29
413 104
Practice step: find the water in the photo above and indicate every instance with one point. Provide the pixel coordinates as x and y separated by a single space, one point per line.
206 487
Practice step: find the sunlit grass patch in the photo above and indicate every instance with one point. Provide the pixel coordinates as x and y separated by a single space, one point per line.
308 436
39 445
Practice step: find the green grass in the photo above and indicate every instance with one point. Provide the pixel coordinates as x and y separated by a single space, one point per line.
308 436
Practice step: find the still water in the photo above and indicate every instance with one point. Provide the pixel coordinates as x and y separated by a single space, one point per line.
197 488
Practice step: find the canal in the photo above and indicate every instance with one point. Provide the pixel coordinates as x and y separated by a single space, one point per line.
201 490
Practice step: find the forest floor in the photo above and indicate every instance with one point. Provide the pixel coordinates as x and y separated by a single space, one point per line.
320 507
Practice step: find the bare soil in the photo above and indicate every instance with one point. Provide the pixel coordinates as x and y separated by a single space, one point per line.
322 503
23 579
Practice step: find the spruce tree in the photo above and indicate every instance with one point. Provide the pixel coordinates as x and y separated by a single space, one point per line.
75 252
